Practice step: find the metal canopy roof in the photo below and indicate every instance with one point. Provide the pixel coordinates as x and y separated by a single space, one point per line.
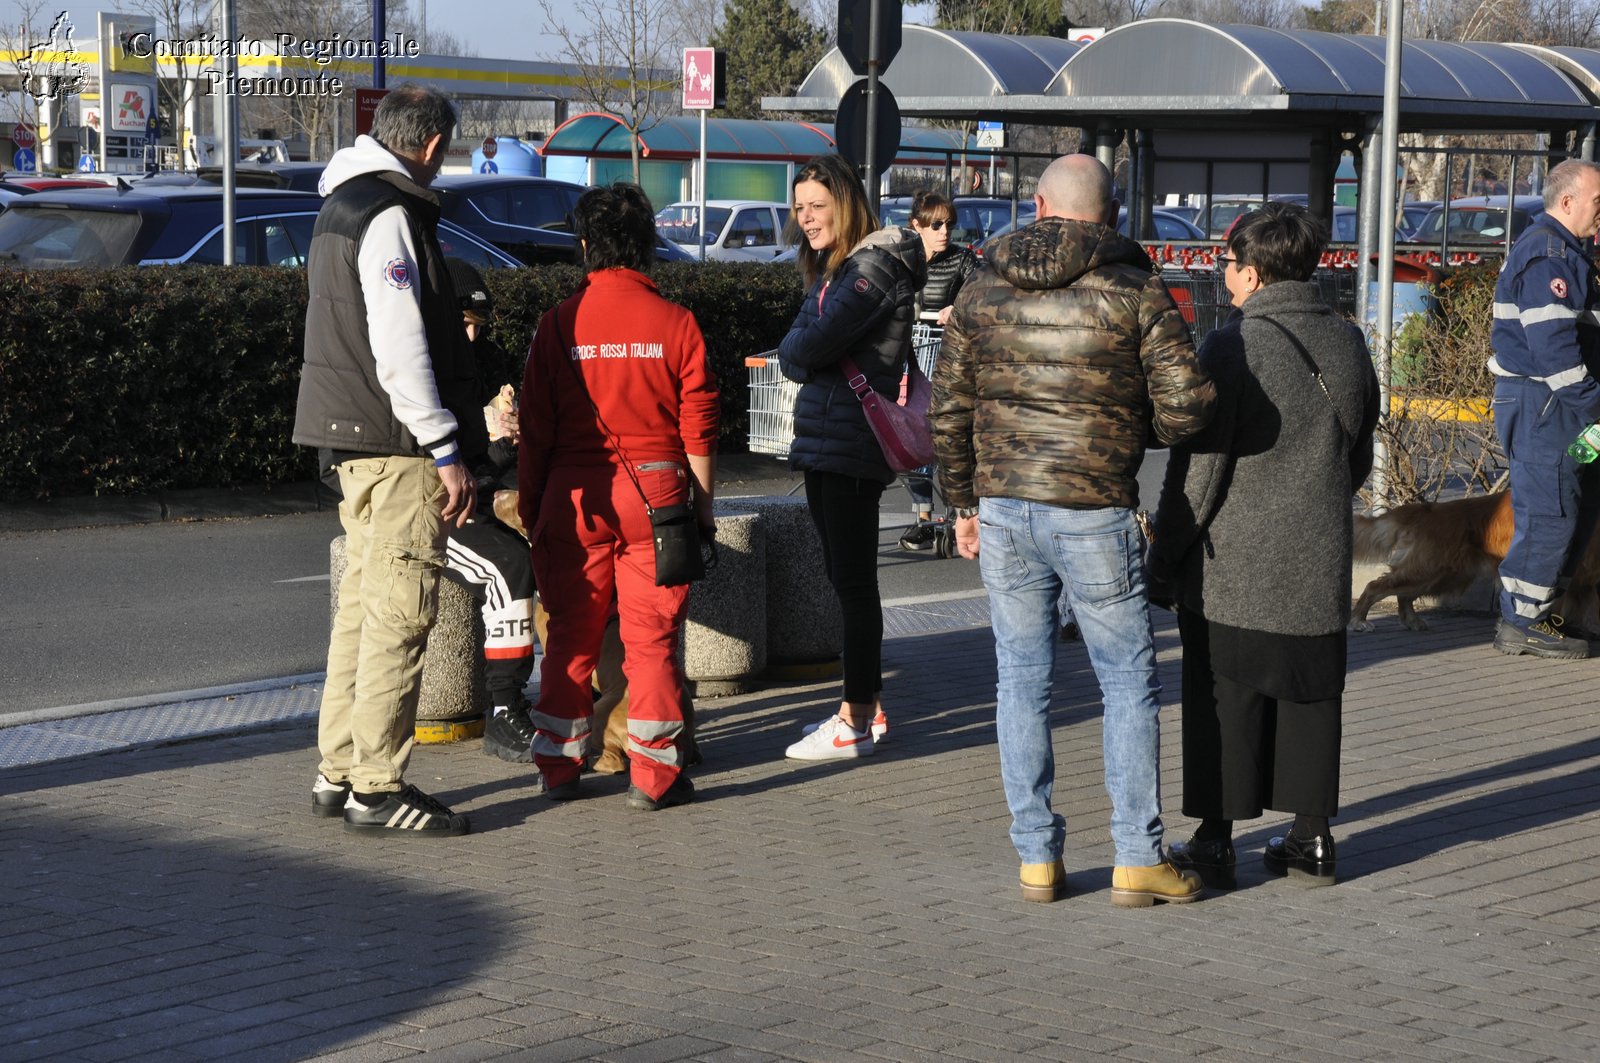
1253 68
1186 74
935 62
1581 65
678 137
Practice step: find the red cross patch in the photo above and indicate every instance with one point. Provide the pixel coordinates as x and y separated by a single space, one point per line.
1558 287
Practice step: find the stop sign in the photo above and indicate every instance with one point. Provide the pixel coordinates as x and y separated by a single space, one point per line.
855 32
22 135
490 147
850 127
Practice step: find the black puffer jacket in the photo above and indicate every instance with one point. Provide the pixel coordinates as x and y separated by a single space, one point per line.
947 272
865 312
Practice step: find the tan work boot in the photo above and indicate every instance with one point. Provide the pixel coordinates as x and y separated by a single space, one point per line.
1044 883
1140 887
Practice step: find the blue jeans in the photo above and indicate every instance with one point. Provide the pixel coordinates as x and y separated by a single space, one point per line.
1029 553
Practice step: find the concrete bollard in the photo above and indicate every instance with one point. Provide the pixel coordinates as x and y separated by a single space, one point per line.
725 634
455 692
803 623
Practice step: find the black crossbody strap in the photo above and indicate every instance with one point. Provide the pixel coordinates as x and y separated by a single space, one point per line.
1311 364
627 466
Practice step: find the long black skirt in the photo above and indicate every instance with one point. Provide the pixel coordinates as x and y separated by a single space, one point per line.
1261 720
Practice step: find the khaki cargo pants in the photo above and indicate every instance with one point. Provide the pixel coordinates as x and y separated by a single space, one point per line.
395 540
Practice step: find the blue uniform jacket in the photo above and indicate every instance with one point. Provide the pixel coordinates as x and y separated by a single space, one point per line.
1546 328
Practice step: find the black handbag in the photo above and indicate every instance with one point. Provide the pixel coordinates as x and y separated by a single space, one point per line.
681 557
677 542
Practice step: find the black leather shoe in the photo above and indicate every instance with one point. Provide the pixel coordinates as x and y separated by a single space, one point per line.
1213 860
681 792
1310 861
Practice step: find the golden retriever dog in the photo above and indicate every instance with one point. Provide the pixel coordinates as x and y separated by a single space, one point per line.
608 740
1441 548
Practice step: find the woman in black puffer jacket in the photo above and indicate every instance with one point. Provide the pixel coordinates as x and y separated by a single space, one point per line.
862 284
933 218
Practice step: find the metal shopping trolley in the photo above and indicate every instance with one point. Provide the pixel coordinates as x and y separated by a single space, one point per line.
772 412
772 395
771 405
926 340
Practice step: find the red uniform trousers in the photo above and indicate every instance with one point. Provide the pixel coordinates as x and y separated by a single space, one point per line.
593 540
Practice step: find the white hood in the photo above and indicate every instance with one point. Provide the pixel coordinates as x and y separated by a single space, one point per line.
364 156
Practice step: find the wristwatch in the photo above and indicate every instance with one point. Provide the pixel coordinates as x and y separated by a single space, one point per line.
963 512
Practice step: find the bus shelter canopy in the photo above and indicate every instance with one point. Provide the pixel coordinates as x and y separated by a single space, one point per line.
599 135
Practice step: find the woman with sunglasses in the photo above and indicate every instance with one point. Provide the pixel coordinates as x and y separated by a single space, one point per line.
934 219
1253 533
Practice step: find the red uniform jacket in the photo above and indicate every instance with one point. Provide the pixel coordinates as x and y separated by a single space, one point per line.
643 362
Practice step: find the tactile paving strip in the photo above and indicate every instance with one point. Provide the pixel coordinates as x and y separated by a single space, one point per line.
155 725
923 618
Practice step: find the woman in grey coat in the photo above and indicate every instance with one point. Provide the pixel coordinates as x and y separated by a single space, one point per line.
1253 537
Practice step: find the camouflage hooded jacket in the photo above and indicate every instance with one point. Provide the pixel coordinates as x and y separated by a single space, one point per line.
1064 359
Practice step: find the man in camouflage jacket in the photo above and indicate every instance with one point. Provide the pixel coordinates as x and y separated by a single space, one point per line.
1065 357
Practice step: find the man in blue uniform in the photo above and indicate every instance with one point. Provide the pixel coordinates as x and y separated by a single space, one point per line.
1546 343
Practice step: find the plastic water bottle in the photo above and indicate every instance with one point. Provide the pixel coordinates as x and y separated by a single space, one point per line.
1586 447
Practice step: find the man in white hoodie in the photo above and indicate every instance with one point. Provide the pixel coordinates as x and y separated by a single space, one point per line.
390 391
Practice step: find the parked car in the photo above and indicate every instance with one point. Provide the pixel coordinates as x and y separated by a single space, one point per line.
1169 226
529 218
1345 227
167 224
737 230
977 219
1187 213
1479 220
1411 216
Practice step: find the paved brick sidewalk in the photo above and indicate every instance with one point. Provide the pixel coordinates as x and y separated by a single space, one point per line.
182 904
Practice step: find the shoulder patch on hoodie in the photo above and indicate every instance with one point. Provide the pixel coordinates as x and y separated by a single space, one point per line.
397 271
863 285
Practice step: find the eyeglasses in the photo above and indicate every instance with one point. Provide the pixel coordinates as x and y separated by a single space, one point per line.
937 225
1224 261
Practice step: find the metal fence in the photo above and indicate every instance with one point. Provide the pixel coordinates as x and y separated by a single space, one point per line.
1204 302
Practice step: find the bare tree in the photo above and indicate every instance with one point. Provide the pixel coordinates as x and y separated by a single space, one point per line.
620 49
312 114
182 20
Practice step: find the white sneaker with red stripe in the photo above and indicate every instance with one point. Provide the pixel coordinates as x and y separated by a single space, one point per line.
833 739
880 727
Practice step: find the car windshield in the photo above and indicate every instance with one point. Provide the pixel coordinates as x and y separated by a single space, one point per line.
46 238
1225 214
1472 224
680 223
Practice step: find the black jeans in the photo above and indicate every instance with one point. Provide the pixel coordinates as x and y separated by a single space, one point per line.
845 511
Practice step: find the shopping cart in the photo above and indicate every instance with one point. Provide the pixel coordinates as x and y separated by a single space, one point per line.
772 395
771 405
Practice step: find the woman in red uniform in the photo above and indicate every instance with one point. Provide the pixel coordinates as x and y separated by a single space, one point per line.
619 406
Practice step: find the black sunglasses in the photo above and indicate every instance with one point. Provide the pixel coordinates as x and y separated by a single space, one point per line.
937 225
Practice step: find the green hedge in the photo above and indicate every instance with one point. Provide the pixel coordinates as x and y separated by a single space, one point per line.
135 380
